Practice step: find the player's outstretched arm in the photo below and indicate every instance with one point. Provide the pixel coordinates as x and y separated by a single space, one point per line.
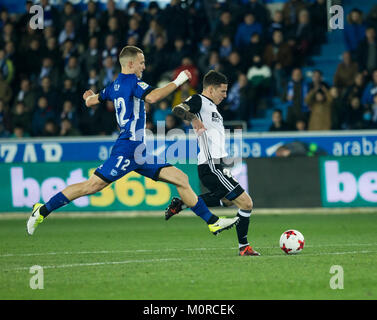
161 93
90 98
183 111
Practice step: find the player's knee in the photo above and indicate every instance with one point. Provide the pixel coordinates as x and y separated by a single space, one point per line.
182 179
247 204
92 187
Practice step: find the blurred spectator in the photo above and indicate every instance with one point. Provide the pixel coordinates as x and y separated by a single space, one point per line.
150 36
134 30
303 34
370 90
161 112
67 130
94 31
178 53
68 32
41 115
114 30
317 80
319 102
246 29
225 48
278 56
374 112
21 117
68 50
354 116
19 133
52 51
108 72
300 124
187 64
337 109
297 90
91 121
31 65
70 92
158 61
69 13
185 91
291 9
8 34
278 124
173 18
213 63
110 50
277 23
109 125
371 20
367 52
260 12
225 27
91 12
254 48
354 30
5 90
232 66
171 122
5 120
69 112
237 100
48 91
50 14
50 129
259 77
345 72
93 78
357 87
48 70
112 11
73 71
318 17
91 58
27 95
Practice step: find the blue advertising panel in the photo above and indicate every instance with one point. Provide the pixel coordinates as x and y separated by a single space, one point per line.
249 145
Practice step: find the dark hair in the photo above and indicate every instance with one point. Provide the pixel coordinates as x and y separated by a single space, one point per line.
214 78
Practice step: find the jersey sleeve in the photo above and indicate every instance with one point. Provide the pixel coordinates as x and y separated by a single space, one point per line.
141 89
104 94
195 103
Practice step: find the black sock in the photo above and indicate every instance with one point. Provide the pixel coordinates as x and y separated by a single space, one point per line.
213 219
43 211
243 226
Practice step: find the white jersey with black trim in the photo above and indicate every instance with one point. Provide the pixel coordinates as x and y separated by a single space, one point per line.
212 141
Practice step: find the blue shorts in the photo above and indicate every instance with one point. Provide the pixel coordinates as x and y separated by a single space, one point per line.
127 156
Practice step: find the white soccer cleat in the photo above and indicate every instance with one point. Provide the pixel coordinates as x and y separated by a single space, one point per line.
35 219
223 224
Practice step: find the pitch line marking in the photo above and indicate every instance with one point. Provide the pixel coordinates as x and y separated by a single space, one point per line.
164 250
90 264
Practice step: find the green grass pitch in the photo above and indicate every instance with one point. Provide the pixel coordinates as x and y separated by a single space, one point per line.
149 258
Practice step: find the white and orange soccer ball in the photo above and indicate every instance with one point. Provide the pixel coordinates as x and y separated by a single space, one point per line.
292 242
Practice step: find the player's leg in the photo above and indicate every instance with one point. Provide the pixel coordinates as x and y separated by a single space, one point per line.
178 178
245 207
170 174
41 211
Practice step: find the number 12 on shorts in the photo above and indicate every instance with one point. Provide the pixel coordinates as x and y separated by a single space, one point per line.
125 164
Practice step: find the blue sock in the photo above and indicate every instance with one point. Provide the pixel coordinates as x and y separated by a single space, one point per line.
56 202
202 211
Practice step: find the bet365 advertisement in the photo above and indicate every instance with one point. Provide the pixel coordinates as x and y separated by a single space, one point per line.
349 181
25 184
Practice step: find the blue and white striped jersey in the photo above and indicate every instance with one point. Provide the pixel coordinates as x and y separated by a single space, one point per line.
127 93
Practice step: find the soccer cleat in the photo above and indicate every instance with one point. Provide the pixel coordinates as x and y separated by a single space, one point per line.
248 251
35 219
223 224
174 207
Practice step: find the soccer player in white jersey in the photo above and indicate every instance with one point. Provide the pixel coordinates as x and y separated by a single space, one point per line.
128 154
223 188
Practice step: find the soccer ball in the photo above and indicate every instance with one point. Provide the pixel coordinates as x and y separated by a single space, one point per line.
292 242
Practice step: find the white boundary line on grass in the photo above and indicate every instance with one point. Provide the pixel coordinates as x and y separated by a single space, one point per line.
165 250
59 266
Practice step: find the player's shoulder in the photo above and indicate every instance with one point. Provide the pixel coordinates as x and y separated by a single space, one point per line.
194 100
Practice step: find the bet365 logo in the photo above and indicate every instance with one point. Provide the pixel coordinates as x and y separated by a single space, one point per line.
37 20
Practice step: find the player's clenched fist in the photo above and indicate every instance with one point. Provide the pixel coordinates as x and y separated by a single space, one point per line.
182 78
87 94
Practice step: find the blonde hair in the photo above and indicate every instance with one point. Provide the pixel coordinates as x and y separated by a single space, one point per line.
128 53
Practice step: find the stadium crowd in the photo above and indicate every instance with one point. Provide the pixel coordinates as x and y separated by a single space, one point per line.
43 73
